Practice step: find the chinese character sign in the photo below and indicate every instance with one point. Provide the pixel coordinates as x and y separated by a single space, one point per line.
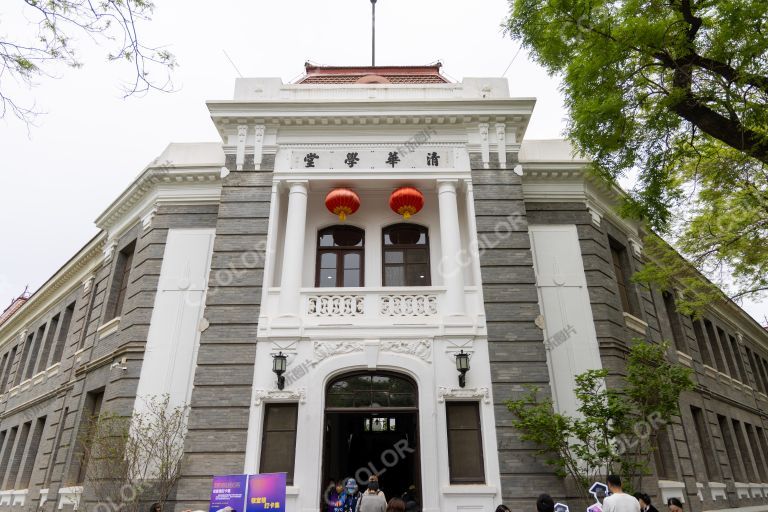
266 492
228 491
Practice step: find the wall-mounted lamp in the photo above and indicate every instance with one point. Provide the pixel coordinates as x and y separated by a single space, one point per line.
462 365
279 363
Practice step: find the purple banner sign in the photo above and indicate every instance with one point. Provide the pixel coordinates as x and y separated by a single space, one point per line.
228 491
266 492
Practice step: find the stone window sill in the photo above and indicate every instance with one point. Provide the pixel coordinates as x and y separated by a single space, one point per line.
685 359
108 328
479 489
635 323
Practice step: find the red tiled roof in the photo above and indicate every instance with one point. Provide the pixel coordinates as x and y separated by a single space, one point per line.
368 74
13 308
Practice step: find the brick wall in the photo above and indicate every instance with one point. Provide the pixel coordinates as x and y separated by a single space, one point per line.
218 422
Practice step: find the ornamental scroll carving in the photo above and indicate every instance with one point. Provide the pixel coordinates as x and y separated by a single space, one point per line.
418 348
421 349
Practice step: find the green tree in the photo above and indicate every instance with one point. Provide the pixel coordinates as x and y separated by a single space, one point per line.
114 24
615 428
672 93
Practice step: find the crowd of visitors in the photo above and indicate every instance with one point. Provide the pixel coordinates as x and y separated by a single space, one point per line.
614 500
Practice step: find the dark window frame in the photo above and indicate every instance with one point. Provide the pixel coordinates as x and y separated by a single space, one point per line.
706 445
717 349
17 456
474 479
675 322
32 452
731 449
56 447
752 357
278 465
622 269
405 248
9 441
702 343
763 366
730 357
737 355
61 339
3 370
757 452
763 442
20 367
747 456
340 252
666 469
120 281
92 406
45 348
7 374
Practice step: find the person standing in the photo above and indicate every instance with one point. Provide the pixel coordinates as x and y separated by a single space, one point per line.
332 493
675 505
619 501
350 497
545 503
373 500
502 508
373 485
396 505
645 502
410 497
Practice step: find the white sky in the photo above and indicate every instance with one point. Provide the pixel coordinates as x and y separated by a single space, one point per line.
56 178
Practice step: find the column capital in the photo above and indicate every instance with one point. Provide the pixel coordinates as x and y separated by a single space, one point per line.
447 185
297 186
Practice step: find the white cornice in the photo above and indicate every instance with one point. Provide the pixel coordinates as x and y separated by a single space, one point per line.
569 182
160 185
227 115
268 109
71 275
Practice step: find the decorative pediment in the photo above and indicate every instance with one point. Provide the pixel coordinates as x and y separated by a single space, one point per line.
444 393
276 395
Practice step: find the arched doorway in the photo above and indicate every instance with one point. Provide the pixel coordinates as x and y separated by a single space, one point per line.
371 427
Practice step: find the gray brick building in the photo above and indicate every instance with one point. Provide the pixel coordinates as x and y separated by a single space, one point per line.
222 258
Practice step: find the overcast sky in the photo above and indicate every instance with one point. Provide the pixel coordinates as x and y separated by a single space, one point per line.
58 176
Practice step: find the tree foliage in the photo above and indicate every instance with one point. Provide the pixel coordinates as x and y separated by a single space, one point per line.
674 94
615 428
114 24
132 461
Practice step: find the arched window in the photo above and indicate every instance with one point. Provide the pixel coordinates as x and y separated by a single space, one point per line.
371 391
406 255
340 256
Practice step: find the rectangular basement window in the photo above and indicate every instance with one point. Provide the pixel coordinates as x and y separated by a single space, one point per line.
465 443
278 443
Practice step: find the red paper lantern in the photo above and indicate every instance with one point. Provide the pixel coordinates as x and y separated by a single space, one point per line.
406 201
342 202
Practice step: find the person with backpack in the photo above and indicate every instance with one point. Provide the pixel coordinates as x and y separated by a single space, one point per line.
372 500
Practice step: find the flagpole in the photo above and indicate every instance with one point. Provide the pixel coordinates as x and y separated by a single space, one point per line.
373 33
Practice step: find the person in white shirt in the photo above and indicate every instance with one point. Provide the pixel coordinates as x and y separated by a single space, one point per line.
619 501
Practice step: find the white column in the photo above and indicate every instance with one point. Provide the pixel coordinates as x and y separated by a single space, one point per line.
451 263
474 246
293 251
